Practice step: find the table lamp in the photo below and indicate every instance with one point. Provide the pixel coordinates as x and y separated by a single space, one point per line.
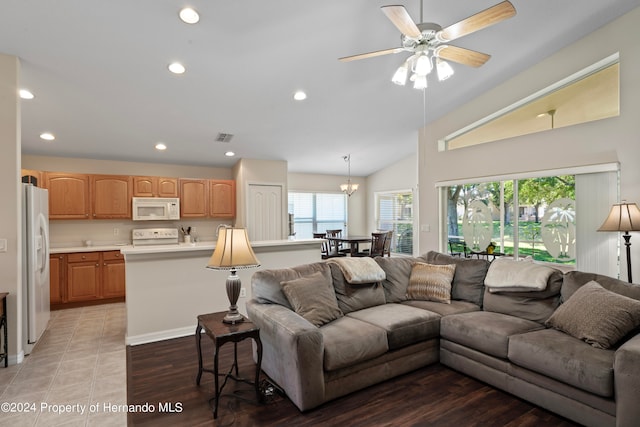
623 217
232 252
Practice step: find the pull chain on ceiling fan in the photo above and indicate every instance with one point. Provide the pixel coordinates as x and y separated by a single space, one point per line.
428 42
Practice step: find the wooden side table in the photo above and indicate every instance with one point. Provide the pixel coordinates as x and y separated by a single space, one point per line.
222 333
3 325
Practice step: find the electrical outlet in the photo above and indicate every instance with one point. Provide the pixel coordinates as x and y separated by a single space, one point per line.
243 292
193 230
116 231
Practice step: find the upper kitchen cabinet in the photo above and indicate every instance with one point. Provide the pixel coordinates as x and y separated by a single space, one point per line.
111 196
69 195
33 177
207 198
193 198
222 199
155 186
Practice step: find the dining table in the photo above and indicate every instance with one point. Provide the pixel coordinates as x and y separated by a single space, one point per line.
353 242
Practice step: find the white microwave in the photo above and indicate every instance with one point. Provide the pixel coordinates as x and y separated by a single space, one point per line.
155 208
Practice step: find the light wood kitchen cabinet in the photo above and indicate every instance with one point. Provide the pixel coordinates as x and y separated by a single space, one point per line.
193 198
203 198
57 263
111 196
155 186
222 199
69 195
32 176
86 278
83 276
113 275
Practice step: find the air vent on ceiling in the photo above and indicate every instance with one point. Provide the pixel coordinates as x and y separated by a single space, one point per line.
224 137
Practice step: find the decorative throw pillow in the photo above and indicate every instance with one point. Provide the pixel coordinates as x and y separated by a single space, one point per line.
431 282
596 315
313 298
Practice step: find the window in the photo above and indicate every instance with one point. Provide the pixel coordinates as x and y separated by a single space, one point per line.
528 217
317 212
590 94
552 216
394 211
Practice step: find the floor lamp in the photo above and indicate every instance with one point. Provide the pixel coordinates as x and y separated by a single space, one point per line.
623 217
232 252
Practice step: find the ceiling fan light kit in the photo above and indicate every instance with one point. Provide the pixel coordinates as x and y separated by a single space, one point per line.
427 42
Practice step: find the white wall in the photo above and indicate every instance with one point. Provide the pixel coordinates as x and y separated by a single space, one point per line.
609 140
11 206
357 223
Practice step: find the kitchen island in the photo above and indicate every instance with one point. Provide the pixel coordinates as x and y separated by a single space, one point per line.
168 286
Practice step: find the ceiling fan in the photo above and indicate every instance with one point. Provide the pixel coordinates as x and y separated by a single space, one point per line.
428 42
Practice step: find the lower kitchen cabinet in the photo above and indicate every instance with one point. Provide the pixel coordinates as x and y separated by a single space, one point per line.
89 278
57 263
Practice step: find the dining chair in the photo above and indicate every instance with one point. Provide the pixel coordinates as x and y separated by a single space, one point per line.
324 249
387 244
339 246
377 245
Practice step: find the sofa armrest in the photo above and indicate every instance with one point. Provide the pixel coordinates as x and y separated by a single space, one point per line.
293 352
626 367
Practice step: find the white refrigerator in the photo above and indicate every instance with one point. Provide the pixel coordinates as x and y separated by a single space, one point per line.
35 265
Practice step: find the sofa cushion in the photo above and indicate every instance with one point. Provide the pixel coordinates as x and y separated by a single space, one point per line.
468 280
574 279
313 298
455 307
536 305
403 324
597 316
348 341
266 284
485 331
397 271
511 275
564 358
355 297
431 282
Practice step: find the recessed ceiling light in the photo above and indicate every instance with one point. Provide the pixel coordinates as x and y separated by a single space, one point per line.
177 68
189 15
299 95
26 94
541 115
229 154
47 136
160 146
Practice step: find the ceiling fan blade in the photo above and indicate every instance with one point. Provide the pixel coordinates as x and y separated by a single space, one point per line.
370 54
399 16
461 55
480 20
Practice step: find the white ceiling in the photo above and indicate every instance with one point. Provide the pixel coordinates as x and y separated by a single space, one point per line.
98 70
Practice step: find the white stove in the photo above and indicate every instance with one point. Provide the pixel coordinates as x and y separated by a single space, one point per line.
154 236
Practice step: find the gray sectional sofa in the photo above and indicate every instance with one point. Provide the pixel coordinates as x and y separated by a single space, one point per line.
326 334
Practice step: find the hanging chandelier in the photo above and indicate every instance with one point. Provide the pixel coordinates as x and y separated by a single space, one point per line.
349 188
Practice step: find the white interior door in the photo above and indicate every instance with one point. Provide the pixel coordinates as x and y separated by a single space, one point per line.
264 216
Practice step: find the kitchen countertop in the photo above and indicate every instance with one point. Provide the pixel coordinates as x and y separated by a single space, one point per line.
199 246
129 249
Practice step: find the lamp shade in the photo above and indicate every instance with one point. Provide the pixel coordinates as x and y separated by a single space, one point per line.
623 217
232 251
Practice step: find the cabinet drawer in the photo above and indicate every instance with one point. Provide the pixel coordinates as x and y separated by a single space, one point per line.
112 255
83 257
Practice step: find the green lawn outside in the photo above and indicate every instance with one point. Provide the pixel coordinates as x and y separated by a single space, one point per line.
531 243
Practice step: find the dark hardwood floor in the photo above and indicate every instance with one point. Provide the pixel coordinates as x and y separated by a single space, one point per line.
164 373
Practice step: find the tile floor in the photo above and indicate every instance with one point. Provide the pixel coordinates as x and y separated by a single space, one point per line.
80 360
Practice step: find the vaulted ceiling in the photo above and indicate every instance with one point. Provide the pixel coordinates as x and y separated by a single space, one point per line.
98 70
